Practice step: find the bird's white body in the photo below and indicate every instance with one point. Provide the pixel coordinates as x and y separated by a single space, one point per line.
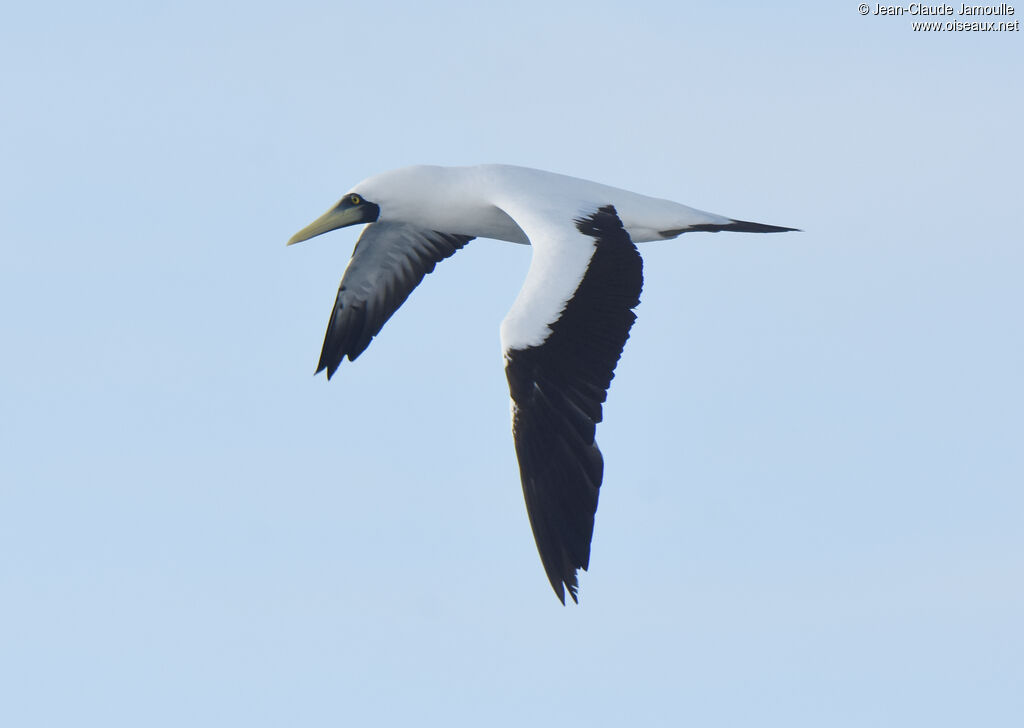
564 334
479 200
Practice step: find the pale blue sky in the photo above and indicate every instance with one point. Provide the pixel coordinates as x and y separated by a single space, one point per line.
812 510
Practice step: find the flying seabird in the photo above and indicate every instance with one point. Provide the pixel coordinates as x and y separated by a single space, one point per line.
565 331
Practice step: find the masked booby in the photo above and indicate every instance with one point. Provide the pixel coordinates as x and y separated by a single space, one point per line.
564 334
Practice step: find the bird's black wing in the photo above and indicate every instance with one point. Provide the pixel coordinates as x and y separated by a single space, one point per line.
558 387
389 260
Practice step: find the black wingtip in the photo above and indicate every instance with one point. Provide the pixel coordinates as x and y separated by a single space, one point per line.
560 586
326 365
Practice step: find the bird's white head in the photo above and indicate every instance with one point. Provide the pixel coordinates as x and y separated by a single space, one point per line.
352 209
409 194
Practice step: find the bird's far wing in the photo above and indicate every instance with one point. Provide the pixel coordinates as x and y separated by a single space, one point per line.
389 260
562 339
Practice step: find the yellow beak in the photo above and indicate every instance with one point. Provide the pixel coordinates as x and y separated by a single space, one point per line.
336 217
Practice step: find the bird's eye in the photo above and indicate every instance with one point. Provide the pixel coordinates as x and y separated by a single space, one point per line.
355 199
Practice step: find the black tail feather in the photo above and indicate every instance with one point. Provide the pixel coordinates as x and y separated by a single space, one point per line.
735 226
